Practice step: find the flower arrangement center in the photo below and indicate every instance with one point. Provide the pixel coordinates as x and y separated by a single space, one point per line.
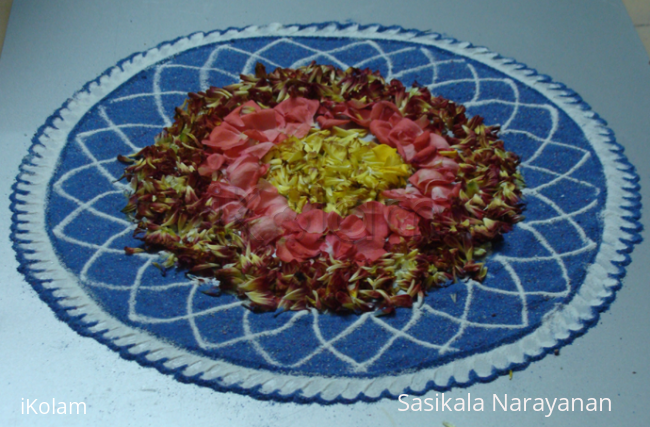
322 188
336 168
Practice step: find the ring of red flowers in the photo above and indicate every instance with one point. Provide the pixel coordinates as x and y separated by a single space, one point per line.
199 193
249 132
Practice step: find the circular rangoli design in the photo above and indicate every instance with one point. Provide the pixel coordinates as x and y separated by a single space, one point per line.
546 279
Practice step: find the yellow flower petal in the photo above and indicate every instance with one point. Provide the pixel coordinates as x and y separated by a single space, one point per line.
334 167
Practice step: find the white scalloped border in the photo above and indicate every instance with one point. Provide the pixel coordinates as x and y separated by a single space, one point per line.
555 327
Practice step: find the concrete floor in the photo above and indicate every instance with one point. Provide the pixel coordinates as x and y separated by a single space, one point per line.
639 11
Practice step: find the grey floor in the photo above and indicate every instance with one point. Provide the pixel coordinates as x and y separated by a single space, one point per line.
52 48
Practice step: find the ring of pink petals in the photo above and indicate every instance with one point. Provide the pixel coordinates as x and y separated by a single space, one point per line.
236 149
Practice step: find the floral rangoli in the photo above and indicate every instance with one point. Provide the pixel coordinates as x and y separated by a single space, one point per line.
245 187
314 232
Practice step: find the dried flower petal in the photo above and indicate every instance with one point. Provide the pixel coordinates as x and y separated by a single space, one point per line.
395 193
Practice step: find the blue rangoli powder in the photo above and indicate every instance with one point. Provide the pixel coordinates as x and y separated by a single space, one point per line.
535 268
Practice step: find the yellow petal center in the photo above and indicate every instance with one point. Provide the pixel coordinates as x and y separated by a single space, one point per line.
336 168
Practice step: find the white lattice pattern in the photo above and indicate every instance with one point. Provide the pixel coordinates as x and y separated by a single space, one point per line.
545 252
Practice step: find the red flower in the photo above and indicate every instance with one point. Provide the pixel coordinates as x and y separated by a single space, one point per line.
245 172
426 206
339 248
313 221
425 179
248 123
222 193
298 114
352 228
374 219
266 201
441 163
299 247
445 193
263 230
232 212
333 221
369 250
358 112
213 163
402 222
225 137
